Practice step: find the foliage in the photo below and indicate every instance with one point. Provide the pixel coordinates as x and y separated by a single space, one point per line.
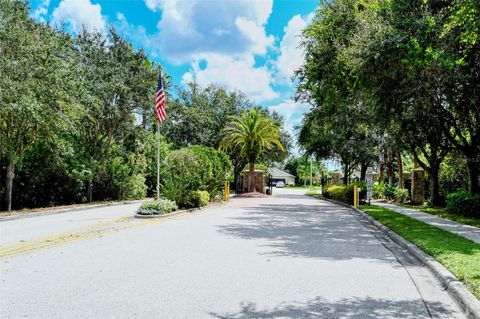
460 255
377 190
157 207
77 118
344 193
376 72
198 198
36 76
251 133
198 114
463 203
389 192
401 195
195 168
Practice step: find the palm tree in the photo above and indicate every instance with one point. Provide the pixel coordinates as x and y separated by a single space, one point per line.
251 132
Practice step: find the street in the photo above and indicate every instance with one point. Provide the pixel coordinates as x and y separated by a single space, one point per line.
286 256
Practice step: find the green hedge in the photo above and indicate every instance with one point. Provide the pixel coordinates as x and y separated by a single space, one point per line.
195 168
463 203
345 193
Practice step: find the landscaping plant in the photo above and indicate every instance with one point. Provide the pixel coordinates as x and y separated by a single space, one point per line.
157 207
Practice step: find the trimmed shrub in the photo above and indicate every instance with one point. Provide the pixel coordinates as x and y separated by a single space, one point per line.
401 195
198 198
344 193
157 207
463 203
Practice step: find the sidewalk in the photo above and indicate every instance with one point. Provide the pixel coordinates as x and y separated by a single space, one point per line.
467 231
44 211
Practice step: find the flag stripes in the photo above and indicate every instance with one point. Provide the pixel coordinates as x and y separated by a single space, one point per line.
160 110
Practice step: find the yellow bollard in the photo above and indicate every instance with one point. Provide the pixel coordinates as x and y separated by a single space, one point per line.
355 196
225 191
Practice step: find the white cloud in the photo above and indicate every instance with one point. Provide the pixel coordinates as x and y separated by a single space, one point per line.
41 11
196 28
235 73
292 112
256 34
291 54
78 13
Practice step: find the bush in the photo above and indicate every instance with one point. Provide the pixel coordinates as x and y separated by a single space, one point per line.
389 192
198 198
344 193
463 203
195 168
401 195
157 207
377 190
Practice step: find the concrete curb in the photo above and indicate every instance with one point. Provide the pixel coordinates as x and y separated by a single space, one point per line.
179 212
68 210
467 302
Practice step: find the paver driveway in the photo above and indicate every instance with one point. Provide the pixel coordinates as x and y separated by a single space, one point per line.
287 256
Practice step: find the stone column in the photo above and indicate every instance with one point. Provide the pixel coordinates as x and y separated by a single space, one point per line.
418 191
335 178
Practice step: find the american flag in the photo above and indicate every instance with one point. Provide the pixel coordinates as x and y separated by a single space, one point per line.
160 101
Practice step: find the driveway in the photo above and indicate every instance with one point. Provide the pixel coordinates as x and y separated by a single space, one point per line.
286 256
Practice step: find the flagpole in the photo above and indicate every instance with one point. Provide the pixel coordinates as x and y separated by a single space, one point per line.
158 160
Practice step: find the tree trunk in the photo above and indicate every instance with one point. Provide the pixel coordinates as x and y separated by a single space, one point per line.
89 191
382 172
401 182
363 171
434 185
9 183
251 176
345 174
473 171
304 182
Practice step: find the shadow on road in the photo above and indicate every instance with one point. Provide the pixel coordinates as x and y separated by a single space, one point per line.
314 231
368 308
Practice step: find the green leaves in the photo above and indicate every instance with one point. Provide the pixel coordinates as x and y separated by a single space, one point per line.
252 132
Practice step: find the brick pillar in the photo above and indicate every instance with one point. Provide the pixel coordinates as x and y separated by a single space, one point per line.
335 178
418 191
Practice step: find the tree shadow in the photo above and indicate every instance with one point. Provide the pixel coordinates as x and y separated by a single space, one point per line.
307 230
366 308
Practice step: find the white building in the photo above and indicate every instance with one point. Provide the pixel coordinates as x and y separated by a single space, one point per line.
279 175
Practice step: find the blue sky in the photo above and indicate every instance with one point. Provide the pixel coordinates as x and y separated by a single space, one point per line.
246 45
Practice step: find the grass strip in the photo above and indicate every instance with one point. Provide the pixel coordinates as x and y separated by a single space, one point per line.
459 255
314 193
441 212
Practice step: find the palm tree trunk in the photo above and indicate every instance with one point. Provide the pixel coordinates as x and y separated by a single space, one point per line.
251 175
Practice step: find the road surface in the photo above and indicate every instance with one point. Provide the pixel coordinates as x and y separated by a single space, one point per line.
286 256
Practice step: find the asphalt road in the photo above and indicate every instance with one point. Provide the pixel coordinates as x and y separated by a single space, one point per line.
287 256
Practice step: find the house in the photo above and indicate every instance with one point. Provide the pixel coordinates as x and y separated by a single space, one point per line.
278 175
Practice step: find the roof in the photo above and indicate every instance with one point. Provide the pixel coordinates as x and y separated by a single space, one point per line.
278 172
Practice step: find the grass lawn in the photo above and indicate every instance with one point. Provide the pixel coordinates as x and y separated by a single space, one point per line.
302 187
314 193
441 212
460 255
